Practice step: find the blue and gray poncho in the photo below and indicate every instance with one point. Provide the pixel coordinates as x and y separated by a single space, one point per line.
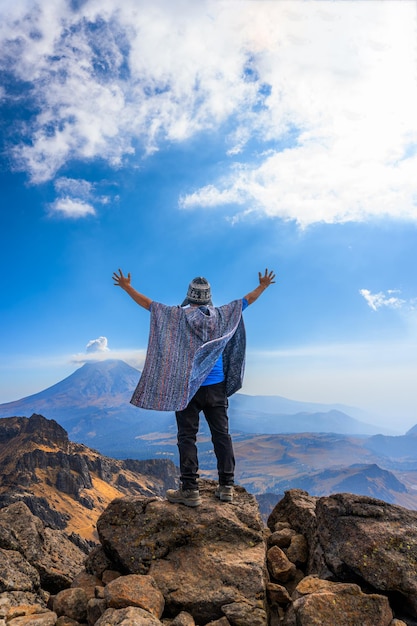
184 345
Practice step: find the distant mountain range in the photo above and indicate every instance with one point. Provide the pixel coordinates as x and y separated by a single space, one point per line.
279 443
92 404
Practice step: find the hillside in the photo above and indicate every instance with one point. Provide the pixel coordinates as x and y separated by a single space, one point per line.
67 484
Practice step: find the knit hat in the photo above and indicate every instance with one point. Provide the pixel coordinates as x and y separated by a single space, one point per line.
199 292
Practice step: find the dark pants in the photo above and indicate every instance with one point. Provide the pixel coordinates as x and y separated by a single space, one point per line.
212 400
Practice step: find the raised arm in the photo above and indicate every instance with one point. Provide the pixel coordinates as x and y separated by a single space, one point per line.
124 283
264 282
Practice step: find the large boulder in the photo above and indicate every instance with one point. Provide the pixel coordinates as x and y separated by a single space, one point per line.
320 602
358 539
53 555
200 558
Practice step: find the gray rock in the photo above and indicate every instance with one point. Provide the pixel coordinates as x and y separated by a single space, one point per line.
56 558
16 574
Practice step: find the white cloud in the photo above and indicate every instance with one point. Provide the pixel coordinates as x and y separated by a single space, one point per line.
135 358
97 345
73 186
381 299
76 197
326 91
73 208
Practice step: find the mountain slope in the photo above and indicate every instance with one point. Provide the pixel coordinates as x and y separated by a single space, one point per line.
103 384
67 484
93 405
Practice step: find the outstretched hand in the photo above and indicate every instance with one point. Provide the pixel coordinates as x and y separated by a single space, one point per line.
267 279
120 280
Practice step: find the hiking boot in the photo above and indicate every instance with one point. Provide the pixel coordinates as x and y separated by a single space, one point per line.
189 497
224 493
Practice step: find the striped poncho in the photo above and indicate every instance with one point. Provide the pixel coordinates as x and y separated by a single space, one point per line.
184 345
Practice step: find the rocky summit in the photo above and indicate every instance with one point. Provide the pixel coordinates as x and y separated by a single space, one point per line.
341 560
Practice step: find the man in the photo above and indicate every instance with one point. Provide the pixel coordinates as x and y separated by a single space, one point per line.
194 362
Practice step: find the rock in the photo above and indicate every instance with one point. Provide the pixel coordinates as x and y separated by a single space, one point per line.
223 621
357 539
66 621
97 562
109 575
48 618
323 603
183 619
71 602
200 559
135 590
16 574
277 594
131 616
88 582
95 609
281 538
244 614
297 551
370 539
279 566
56 558
9 599
298 509
22 610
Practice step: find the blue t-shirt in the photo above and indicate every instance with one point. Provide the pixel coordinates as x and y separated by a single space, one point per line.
217 374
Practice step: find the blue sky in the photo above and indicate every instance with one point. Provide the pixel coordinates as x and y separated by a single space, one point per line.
213 138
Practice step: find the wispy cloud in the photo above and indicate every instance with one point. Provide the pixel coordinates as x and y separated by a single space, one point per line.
326 93
68 207
383 299
77 197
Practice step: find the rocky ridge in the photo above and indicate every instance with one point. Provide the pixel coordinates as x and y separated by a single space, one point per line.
344 559
66 484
